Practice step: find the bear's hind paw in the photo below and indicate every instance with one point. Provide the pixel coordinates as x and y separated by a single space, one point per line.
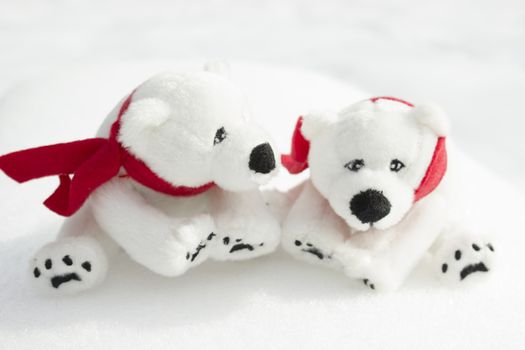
464 261
69 266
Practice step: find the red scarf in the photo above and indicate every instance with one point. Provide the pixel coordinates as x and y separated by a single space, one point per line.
297 161
92 162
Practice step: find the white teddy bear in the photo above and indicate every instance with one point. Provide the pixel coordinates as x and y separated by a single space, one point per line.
375 203
172 178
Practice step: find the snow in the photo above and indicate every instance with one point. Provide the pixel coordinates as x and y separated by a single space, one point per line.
66 63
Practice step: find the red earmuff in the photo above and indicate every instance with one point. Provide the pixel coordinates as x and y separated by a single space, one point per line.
297 160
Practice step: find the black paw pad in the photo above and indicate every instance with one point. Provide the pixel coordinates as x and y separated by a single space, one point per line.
67 260
457 254
86 265
59 280
226 240
444 268
491 247
473 268
298 243
36 272
211 235
200 247
48 264
241 246
314 251
368 284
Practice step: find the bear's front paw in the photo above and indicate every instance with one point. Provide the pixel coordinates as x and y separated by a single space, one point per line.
234 243
239 247
196 235
68 266
312 250
192 256
464 259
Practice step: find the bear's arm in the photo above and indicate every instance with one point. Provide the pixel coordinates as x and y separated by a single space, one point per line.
388 267
147 234
312 231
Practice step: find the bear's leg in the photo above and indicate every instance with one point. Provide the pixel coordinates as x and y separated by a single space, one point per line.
312 231
77 260
460 256
244 226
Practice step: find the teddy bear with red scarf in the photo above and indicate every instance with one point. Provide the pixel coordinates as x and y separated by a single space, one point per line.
172 179
378 200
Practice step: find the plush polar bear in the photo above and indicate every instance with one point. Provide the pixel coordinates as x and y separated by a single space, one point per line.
172 178
375 202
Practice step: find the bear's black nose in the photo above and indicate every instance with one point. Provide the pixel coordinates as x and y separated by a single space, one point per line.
262 159
370 206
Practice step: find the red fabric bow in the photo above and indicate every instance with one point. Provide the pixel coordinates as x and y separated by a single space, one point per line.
297 161
92 162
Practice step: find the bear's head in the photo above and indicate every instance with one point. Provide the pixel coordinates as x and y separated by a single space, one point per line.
194 128
373 160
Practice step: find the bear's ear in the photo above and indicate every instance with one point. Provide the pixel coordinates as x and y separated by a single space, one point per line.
433 117
316 122
219 67
147 113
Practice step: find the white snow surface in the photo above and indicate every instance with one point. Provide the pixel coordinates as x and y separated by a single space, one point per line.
64 64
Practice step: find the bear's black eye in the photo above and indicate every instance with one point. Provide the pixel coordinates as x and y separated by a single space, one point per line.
396 165
355 165
220 135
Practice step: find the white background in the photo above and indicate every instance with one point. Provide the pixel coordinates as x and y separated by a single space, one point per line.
467 55
63 64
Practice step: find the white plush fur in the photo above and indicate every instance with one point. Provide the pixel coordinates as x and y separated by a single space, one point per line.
171 125
322 228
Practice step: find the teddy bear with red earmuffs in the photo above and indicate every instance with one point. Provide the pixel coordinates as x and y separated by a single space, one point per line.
377 200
